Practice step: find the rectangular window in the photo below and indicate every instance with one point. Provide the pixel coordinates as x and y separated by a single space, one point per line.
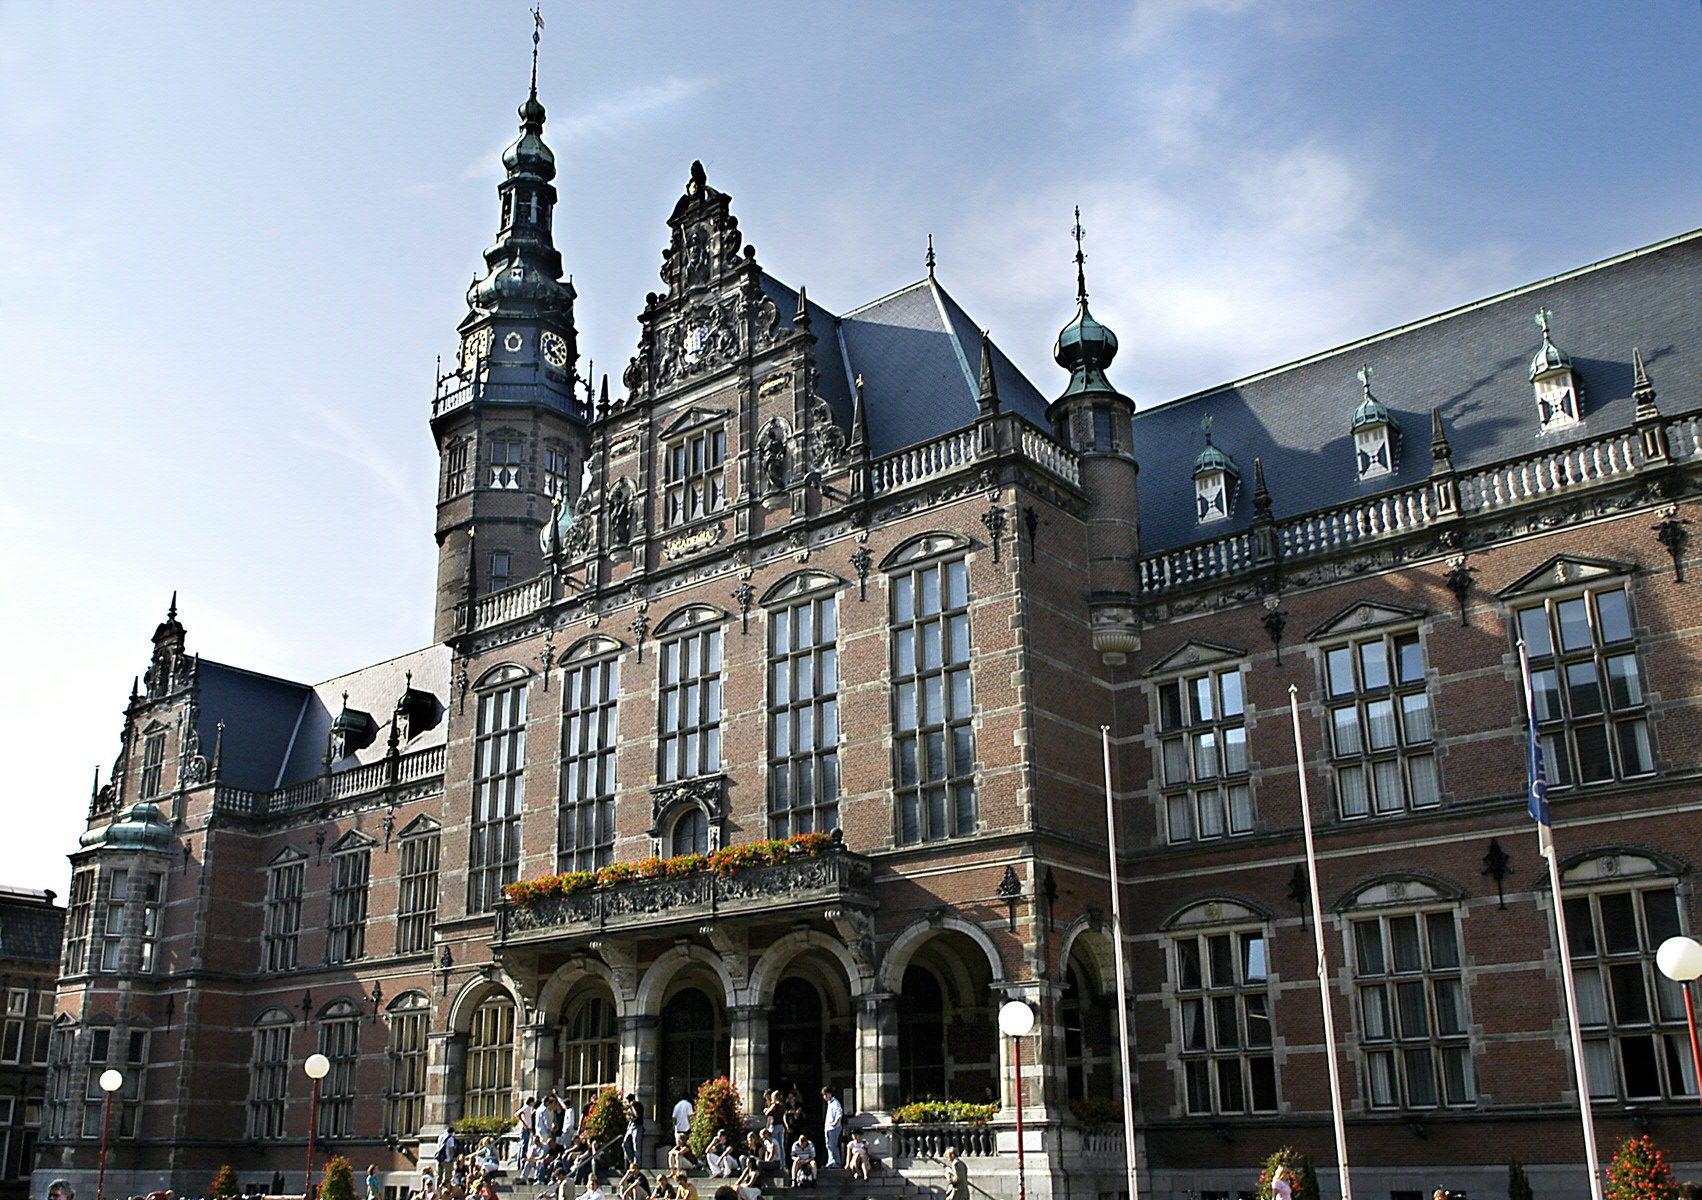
405 1101
803 717
1223 1008
1381 726
1413 1025
417 907
1587 688
112 919
689 741
269 1081
282 937
339 1041
346 940
153 896
1636 1045
933 740
455 469
79 919
695 476
585 833
499 763
16 1022
1203 765
556 470
153 762
508 459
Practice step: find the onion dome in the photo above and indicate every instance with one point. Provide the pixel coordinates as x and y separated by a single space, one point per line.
1084 347
528 155
1371 410
1212 459
141 827
554 533
352 729
1549 357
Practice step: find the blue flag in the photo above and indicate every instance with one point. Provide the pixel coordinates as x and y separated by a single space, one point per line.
1538 806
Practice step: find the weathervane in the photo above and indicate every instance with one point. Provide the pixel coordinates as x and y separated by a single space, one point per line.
930 256
537 30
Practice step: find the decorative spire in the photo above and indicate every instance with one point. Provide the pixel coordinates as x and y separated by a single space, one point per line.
603 399
1642 390
930 259
1440 451
859 421
1261 493
171 609
1081 260
472 565
989 397
801 322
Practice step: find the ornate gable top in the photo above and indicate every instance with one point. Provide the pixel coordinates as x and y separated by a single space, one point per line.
1195 654
1366 614
1564 570
706 244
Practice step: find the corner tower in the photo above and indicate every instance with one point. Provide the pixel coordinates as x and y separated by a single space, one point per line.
508 418
1097 421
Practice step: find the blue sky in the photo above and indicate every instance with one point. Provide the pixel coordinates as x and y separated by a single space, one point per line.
234 238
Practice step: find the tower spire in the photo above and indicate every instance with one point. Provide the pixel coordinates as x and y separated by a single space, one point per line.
930 259
537 30
1081 259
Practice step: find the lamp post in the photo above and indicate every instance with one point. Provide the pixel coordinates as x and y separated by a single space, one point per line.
317 1067
1016 1021
1680 960
110 1081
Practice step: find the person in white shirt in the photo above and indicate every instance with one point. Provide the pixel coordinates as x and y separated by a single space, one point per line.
593 1190
832 1125
803 1161
682 1115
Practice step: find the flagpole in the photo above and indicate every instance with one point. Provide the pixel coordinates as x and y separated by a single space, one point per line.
1545 843
1318 942
1122 971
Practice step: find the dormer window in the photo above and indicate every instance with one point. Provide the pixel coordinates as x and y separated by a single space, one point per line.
1559 395
1216 481
1376 436
696 475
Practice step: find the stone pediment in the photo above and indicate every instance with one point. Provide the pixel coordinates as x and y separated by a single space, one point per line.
1398 890
1215 911
691 418
1563 571
1366 614
1195 654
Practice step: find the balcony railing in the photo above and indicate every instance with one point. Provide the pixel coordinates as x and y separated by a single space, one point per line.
1529 480
803 882
414 767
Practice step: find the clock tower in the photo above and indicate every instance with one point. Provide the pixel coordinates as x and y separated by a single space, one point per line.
508 418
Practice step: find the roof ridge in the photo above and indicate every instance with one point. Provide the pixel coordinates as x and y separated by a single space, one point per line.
909 287
1434 318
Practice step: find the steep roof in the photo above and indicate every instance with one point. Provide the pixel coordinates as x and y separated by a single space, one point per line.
919 355
275 730
1471 362
30 926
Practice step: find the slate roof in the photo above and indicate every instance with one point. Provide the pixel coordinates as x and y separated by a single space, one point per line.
30 927
920 357
1471 362
275 730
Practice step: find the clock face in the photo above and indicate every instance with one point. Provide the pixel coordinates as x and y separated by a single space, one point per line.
554 348
477 346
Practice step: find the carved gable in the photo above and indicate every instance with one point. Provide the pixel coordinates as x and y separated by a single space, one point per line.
1195 654
1562 571
1367 614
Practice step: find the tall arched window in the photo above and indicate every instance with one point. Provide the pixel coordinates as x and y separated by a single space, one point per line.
339 1041
590 1050
268 1075
499 763
489 1090
410 1022
921 1035
933 737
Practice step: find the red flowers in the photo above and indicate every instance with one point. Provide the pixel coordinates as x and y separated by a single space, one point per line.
725 861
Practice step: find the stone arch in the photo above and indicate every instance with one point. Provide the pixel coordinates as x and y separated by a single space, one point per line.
774 961
934 544
565 980
1215 910
1094 940
500 675
1399 888
689 616
473 993
904 946
653 988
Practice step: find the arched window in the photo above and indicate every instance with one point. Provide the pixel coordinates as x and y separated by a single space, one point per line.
590 1050
590 733
489 1091
410 1022
1090 1033
499 764
339 1041
689 688
803 711
691 833
1222 996
268 1074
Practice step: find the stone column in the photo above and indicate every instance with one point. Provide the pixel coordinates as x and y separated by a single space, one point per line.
638 1065
537 1072
747 1060
446 1072
877 1053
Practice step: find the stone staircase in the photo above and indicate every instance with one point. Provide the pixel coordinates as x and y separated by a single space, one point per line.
834 1183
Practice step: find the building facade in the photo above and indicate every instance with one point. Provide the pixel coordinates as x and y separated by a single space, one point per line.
31 929
761 736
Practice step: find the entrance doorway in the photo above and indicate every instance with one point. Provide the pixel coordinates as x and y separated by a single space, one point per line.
795 1029
693 1044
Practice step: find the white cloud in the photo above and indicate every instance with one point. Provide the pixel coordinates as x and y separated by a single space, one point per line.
355 443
